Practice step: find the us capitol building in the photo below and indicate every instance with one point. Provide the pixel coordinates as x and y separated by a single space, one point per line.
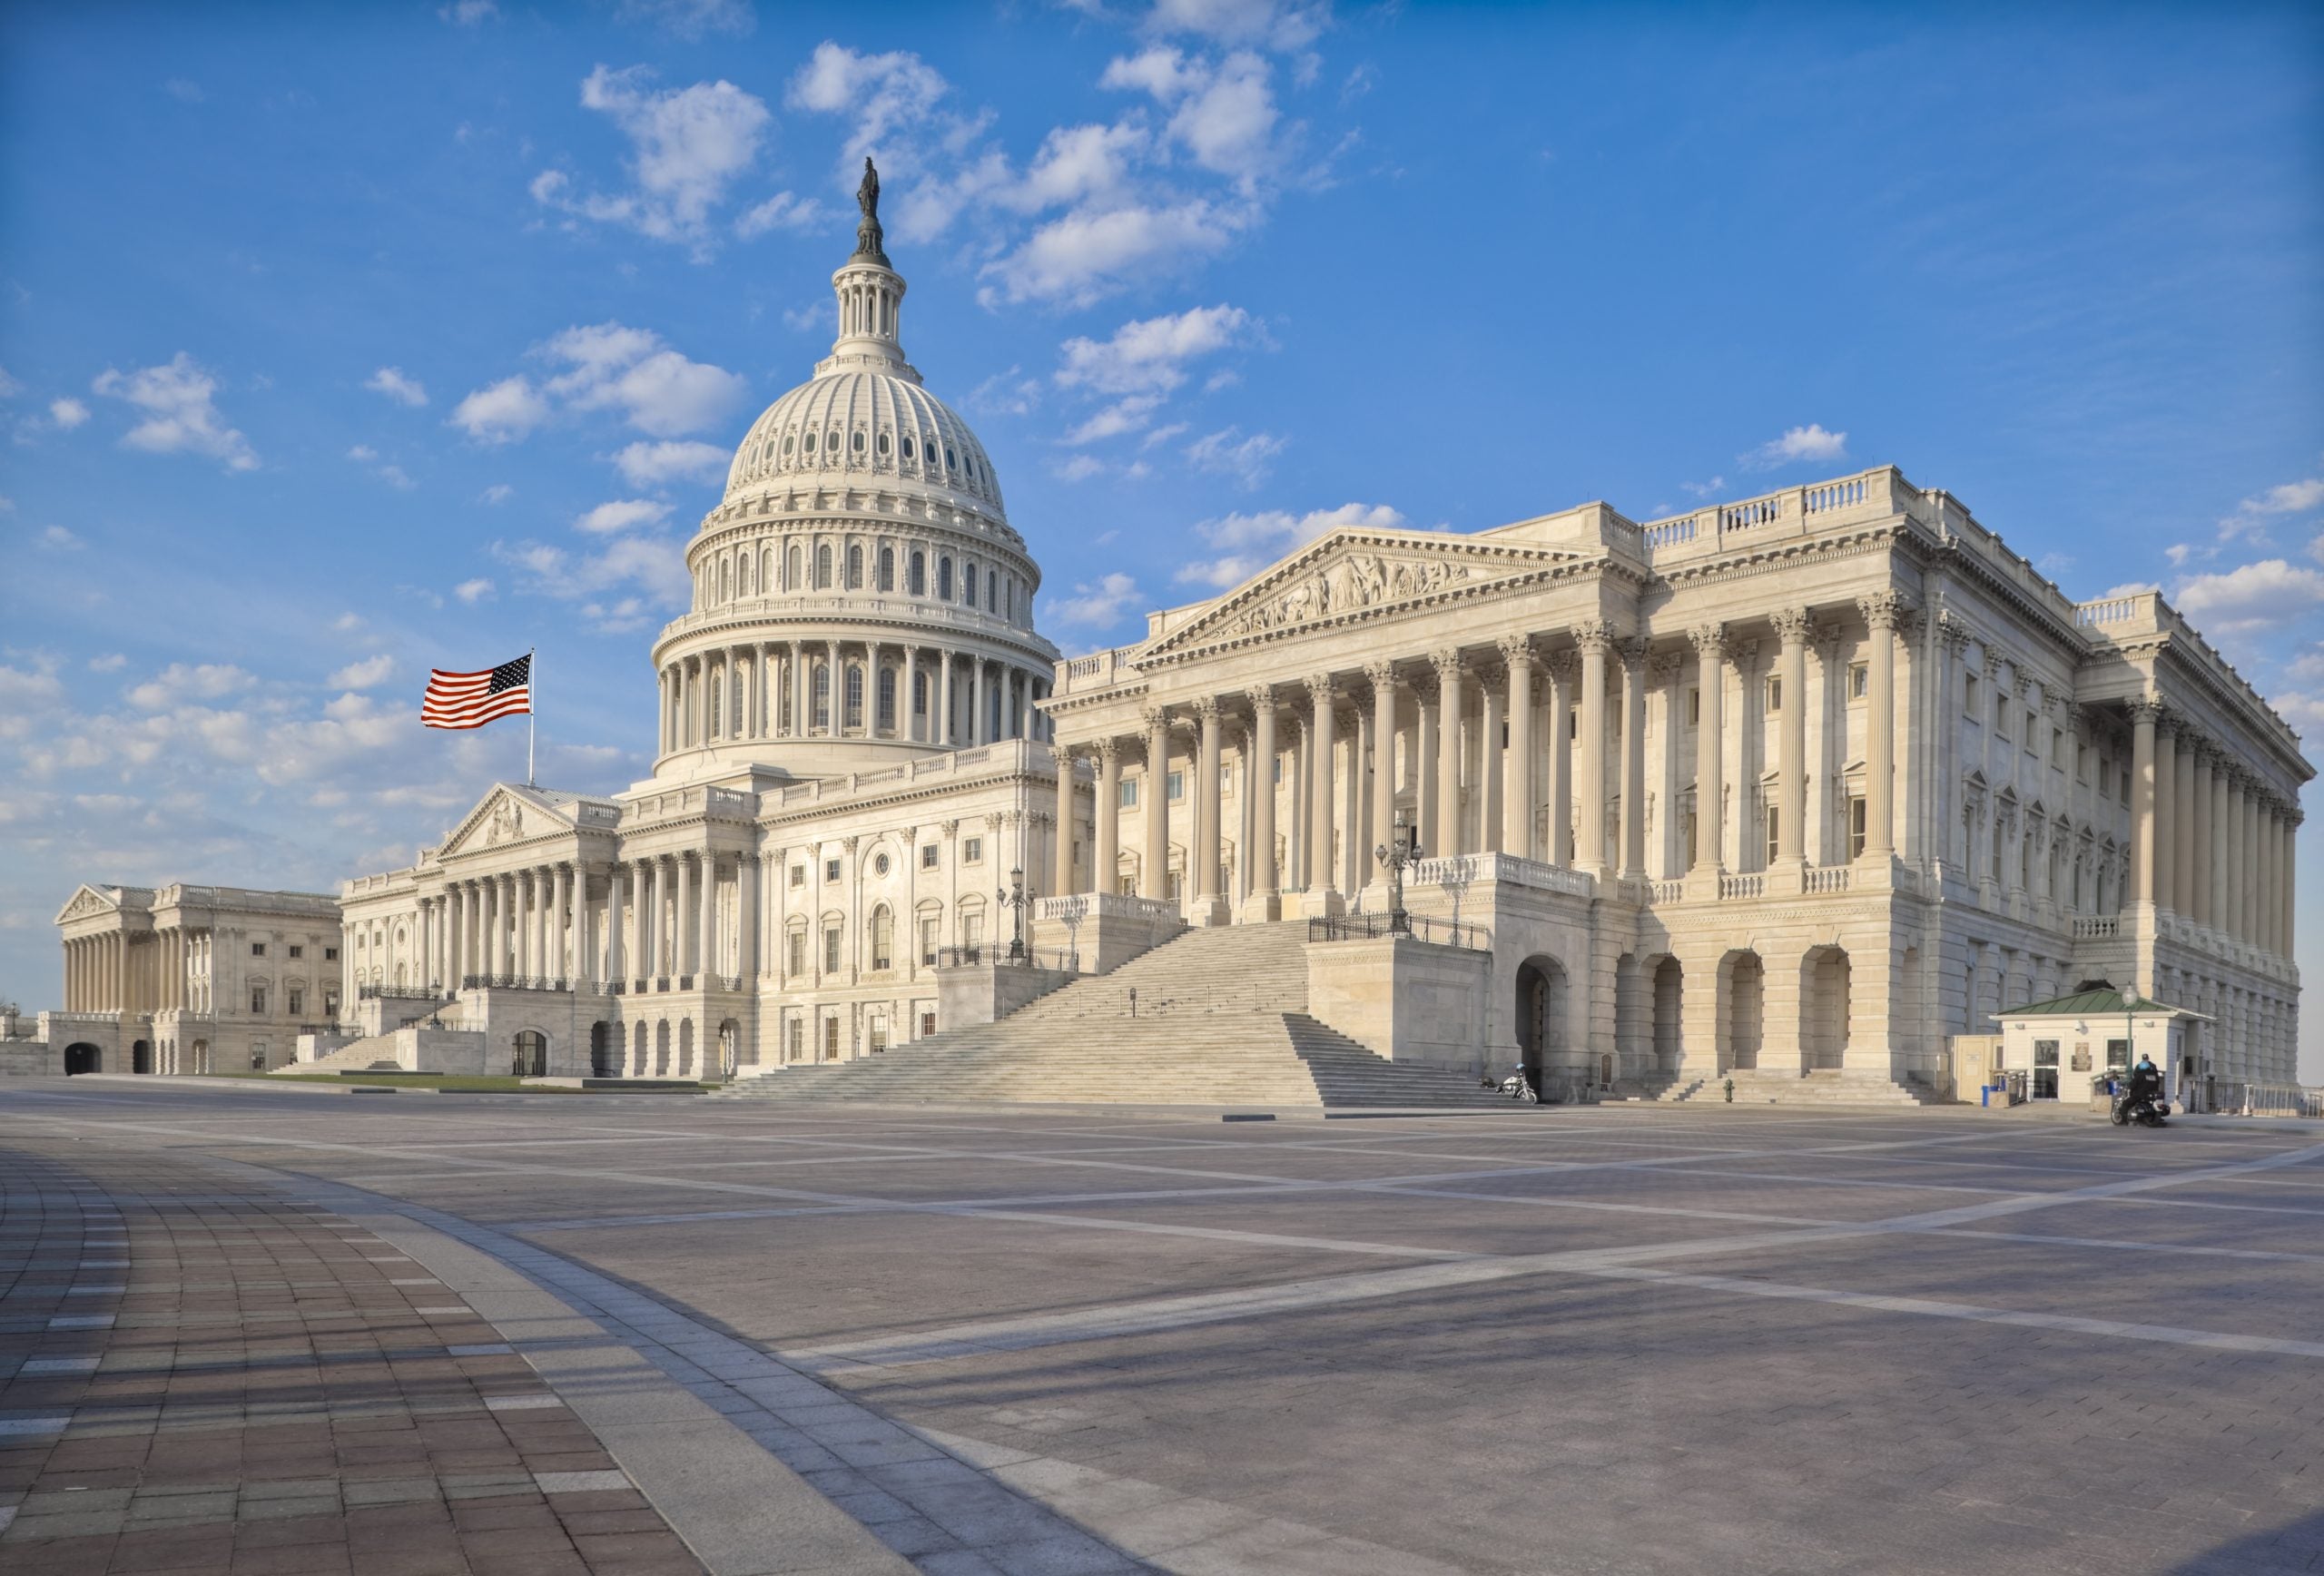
1800 785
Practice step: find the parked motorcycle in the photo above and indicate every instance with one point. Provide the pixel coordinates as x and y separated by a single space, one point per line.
2142 1109
1518 1089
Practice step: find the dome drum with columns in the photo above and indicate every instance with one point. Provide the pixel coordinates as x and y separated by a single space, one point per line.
859 595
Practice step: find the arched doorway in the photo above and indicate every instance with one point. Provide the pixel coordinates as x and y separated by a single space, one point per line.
662 1048
640 1048
1745 979
531 1056
730 1048
200 1055
140 1056
1670 984
82 1057
605 1051
1824 1009
685 1048
1540 1017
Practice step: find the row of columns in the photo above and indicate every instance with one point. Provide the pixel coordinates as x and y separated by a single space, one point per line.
119 973
765 690
1509 689
2208 840
659 920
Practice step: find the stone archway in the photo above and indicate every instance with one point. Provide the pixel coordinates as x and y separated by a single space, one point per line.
140 1056
605 1050
529 1054
82 1057
1669 992
1742 980
1824 1009
200 1055
1540 1017
685 1048
662 1048
730 1049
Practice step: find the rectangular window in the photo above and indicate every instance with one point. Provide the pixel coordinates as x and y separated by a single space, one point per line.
1177 786
1691 839
298 1003
2118 1054
796 959
927 944
1969 702
258 949
795 1043
1775 827
2080 762
258 1000
2057 748
927 1024
878 1035
1775 694
1694 711
330 954
2032 729
1855 827
2045 1069
972 931
972 851
1860 680
2000 717
831 870
830 949
928 856
831 1039
298 952
798 875
1130 793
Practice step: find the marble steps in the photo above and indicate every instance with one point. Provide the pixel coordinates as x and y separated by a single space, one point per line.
363 1056
1765 1087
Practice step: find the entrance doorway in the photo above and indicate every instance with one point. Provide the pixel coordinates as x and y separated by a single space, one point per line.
1824 1009
604 1054
140 1056
531 1058
1745 979
1540 1017
82 1057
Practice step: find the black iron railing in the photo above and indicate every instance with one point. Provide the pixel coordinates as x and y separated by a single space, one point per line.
1005 957
511 982
399 993
1376 927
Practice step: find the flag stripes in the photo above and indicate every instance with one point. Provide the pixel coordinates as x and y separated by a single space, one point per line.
471 700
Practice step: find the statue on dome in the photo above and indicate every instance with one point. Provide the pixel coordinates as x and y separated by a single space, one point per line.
869 240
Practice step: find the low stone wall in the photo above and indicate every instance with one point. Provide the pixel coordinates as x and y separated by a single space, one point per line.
1406 1000
974 993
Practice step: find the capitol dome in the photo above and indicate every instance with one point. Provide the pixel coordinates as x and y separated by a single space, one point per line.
859 594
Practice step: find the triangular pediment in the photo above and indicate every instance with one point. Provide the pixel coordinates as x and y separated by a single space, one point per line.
1353 573
88 904
509 814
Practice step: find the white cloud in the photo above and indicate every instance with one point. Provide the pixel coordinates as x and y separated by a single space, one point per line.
470 13
1095 606
2315 547
67 413
109 662
655 567
9 387
363 675
607 367
784 211
57 540
1080 467
1223 115
2250 516
1085 255
1275 24
498 493
651 464
881 92
391 382
183 682
1227 452
622 514
393 475
501 412
687 146
1009 393
1702 489
181 416
473 591
1797 443
2254 598
1079 163
691 19
1253 541
1150 354
1122 416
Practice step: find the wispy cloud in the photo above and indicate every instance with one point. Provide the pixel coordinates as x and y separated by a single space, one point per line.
391 382
1250 542
179 413
1096 604
687 147
1797 444
605 367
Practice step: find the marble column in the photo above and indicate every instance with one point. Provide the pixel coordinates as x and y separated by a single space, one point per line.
559 937
944 701
1105 864
681 945
1517 763
1449 701
1632 841
1062 826
1882 612
2231 856
1793 628
2166 813
1321 733
617 953
1425 733
2142 846
2200 866
1382 675
1210 903
1490 696
653 955
908 702
1558 846
1265 880
1596 638
1711 791
709 950
1154 869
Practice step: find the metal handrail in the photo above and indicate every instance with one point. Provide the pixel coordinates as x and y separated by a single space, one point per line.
1378 926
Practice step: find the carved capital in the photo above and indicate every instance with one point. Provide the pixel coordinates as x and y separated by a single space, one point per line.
1594 635
1383 674
949 828
1634 652
1261 696
1952 632
1884 609
2146 711
1792 625
1516 652
1206 709
1156 720
1319 688
1709 639
1992 661
1560 665
1447 664
1666 668
1109 751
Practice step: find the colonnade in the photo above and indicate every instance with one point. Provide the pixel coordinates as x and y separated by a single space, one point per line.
137 971
2209 840
1600 769
798 689
655 916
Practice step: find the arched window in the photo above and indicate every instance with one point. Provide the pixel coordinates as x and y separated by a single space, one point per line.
918 584
969 585
883 938
992 593
1008 599
821 704
856 443
717 711
855 569
944 579
824 567
808 443
854 695
787 443
908 454
887 569
883 446
791 581
888 699
766 571
950 461
742 574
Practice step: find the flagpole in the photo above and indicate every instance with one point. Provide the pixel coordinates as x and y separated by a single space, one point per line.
533 679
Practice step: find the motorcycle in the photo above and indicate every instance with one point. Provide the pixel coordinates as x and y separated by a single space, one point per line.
2145 1111
1517 1089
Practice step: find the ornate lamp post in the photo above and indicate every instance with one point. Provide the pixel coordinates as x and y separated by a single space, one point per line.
1012 896
1402 851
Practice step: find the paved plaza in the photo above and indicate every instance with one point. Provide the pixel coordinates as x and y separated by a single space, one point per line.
260 1330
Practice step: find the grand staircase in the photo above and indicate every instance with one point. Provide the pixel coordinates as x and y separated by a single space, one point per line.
1774 1087
362 1056
1219 1018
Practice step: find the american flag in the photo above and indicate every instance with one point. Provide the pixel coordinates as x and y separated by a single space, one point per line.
471 700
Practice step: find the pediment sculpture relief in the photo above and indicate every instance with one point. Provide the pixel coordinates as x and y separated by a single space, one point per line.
1357 580
507 825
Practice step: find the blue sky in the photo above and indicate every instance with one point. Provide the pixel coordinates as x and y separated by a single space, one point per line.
342 340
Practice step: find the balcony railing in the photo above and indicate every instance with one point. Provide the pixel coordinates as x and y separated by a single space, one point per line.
512 982
1372 927
1004 957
